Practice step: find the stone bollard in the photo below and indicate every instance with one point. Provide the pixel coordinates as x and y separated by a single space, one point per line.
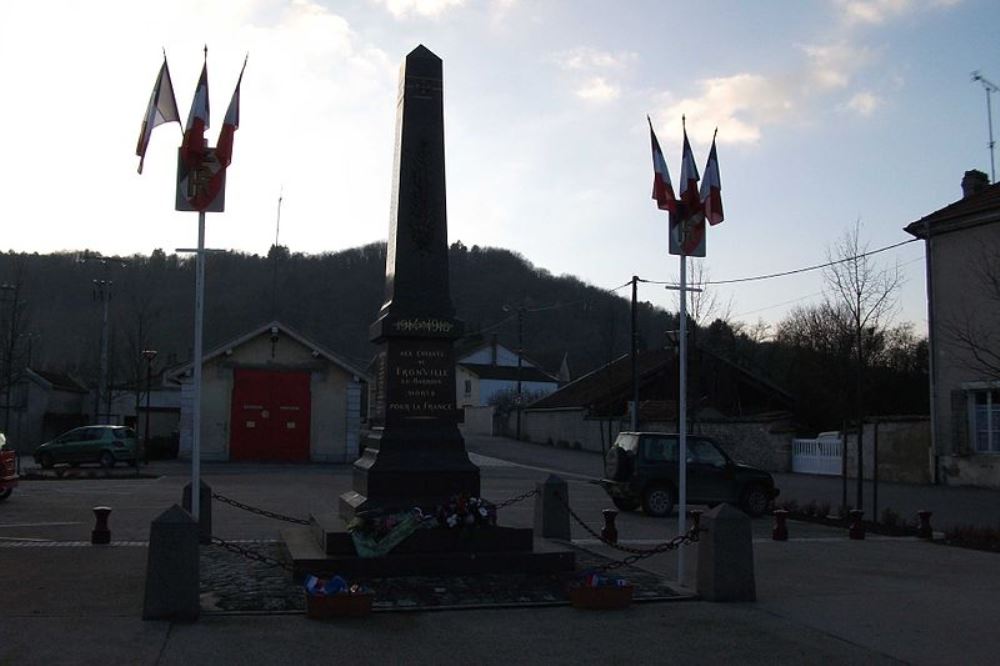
856 530
172 583
609 533
551 512
725 556
204 510
780 531
101 534
925 531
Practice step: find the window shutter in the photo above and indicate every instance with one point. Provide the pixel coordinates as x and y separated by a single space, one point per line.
960 443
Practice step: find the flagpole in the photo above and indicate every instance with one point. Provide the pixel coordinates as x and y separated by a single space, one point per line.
682 420
199 308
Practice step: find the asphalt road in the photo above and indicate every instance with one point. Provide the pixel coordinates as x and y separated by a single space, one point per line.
821 597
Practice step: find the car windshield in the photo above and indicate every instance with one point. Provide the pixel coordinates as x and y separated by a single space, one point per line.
627 441
124 433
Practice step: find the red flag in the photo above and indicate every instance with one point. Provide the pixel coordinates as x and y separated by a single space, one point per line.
194 132
663 189
711 189
224 149
162 108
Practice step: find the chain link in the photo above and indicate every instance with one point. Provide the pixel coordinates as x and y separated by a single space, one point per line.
251 554
515 500
259 512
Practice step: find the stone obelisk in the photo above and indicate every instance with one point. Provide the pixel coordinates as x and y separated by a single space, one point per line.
415 455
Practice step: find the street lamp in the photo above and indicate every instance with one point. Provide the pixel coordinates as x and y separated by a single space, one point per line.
149 355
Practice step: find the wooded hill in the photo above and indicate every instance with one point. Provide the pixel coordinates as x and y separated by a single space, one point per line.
332 298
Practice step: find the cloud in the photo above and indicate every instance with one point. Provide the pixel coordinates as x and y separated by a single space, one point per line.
584 58
738 105
832 66
429 8
864 103
598 89
876 12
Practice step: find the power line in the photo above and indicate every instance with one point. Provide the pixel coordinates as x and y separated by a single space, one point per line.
795 271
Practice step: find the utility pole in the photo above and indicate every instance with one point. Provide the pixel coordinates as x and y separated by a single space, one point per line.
520 356
102 292
990 88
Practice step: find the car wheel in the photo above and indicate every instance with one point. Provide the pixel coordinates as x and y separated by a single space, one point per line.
107 459
625 504
755 500
658 501
46 461
5 494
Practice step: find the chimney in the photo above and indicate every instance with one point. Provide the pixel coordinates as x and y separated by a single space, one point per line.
974 182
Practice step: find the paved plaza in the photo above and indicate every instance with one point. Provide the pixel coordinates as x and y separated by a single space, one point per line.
821 597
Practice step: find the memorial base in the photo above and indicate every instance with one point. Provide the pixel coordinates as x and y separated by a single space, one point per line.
324 550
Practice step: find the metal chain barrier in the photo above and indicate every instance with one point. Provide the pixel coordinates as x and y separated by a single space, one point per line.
515 500
637 553
259 512
251 554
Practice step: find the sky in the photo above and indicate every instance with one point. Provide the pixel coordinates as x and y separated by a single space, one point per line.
829 112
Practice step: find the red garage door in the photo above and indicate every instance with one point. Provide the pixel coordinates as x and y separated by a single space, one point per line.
270 416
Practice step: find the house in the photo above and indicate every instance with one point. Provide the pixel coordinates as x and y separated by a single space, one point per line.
486 369
962 250
43 405
748 413
273 395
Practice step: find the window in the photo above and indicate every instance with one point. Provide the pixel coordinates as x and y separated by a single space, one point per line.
468 387
986 421
701 451
661 449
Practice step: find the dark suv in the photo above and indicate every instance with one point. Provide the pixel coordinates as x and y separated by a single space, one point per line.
641 469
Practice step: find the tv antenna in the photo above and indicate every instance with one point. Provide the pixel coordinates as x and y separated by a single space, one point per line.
990 88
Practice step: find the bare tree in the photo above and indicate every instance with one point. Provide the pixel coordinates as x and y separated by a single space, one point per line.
866 294
974 328
704 303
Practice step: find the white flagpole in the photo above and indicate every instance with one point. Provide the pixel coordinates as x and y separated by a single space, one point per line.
682 421
199 308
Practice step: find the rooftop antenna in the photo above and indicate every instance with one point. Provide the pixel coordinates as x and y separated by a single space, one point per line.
274 263
990 88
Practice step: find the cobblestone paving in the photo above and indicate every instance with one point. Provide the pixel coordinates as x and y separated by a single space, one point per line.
230 583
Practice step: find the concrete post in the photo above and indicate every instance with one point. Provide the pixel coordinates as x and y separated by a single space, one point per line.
551 512
725 556
204 509
172 583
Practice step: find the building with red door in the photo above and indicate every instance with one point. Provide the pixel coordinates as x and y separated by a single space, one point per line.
272 395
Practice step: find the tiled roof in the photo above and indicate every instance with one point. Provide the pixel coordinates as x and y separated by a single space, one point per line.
508 372
980 208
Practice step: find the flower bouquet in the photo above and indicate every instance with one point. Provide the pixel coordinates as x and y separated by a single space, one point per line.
596 592
465 511
334 597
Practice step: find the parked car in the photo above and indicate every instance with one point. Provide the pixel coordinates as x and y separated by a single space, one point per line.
641 468
104 445
8 469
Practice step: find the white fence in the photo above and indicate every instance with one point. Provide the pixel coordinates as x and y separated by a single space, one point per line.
823 455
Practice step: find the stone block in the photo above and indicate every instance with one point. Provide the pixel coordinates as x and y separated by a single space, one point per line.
551 512
204 510
725 556
172 583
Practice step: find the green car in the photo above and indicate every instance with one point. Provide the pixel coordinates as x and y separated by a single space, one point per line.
104 445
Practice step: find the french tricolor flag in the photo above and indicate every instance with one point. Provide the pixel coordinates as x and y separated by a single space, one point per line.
663 189
224 148
711 189
193 145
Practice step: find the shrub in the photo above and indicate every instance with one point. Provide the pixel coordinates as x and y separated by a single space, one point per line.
810 509
824 509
